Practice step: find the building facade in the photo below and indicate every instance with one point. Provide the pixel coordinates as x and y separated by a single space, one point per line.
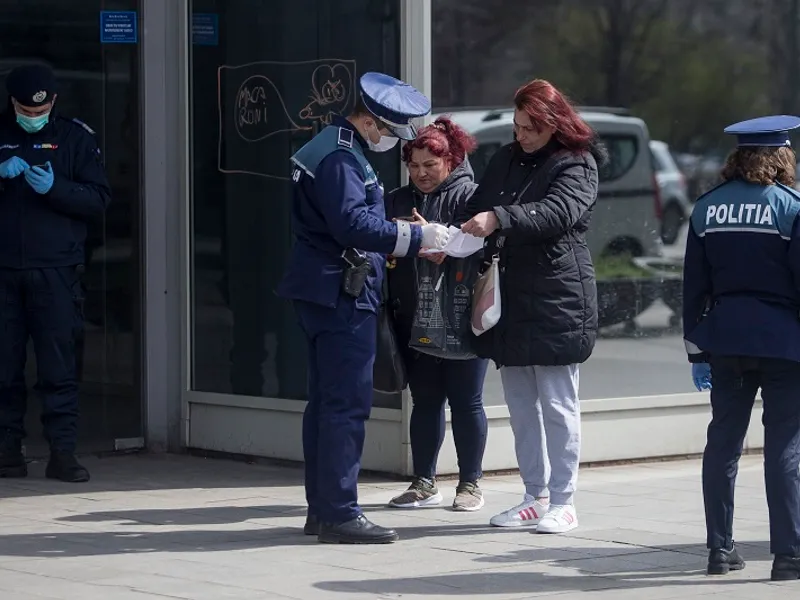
198 105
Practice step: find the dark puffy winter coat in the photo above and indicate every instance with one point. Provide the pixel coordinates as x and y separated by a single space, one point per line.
442 205
543 202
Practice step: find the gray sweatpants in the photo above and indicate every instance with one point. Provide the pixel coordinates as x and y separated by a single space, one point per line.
546 420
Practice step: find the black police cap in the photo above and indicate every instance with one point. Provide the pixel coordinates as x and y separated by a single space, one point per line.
31 85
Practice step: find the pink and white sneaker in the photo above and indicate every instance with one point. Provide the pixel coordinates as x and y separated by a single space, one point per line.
527 514
558 519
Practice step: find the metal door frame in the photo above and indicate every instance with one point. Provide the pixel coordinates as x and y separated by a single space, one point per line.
165 170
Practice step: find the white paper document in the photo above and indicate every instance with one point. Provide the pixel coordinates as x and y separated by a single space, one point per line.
460 244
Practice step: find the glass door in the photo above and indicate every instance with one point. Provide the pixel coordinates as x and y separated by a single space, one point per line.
97 70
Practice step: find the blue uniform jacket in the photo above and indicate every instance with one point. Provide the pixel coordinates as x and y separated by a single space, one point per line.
742 273
38 231
338 204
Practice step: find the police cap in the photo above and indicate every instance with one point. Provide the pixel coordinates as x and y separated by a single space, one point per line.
32 85
394 102
764 131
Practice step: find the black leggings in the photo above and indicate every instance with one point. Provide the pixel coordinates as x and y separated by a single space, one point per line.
460 382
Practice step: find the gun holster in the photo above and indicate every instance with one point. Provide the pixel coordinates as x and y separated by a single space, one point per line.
357 269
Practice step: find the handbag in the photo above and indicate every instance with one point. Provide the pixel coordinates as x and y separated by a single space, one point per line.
486 304
389 371
442 315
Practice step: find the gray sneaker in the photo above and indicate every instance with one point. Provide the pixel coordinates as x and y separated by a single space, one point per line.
469 497
421 492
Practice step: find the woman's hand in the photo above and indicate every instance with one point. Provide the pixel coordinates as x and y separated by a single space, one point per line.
435 257
418 220
481 225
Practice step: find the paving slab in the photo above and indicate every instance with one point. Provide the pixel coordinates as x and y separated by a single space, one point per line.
187 528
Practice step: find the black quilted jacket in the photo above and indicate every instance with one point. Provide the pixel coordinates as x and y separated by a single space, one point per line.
544 204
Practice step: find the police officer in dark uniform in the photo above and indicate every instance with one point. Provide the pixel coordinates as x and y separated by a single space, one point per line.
334 277
52 185
742 329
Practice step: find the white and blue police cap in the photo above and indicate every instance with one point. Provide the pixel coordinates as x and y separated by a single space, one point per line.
764 131
394 102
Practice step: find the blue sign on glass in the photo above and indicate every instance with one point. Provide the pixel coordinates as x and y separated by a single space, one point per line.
118 27
205 29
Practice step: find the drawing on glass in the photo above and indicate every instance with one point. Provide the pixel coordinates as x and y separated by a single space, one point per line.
331 88
263 106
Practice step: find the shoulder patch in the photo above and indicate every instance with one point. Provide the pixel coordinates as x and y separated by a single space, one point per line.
298 169
345 137
84 125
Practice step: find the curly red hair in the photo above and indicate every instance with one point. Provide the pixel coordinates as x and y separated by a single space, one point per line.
442 138
548 107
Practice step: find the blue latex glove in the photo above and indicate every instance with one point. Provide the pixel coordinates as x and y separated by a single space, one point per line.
701 374
13 167
41 180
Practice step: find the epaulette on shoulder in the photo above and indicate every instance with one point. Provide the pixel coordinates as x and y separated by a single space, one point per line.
84 125
789 190
345 138
713 189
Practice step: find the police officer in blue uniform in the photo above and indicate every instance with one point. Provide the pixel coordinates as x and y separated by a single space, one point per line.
741 319
52 185
334 278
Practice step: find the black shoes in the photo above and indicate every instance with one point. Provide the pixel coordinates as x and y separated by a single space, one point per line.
356 531
721 561
65 467
62 465
785 568
312 526
12 464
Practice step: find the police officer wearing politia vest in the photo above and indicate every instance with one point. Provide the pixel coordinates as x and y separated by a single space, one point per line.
334 277
742 329
52 185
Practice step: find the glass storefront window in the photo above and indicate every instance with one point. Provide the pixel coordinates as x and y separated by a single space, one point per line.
265 76
680 72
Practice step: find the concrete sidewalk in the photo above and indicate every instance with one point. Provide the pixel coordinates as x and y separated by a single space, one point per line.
156 527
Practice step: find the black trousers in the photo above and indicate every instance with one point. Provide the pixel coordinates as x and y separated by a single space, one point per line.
45 306
341 354
434 382
736 381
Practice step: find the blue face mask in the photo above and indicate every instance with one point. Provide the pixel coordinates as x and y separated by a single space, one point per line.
33 124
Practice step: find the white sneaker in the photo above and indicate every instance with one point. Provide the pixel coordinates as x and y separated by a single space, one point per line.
559 519
527 514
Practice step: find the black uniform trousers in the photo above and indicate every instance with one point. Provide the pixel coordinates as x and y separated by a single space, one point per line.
341 355
736 381
45 306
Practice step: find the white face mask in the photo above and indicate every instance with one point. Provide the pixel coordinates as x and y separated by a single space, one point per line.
385 144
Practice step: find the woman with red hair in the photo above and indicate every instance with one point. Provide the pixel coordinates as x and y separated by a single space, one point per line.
441 183
533 205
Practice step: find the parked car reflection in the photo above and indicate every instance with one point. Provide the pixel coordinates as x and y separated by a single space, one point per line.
675 204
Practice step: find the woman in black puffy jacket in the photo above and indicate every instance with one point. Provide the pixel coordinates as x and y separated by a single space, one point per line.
534 206
441 183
